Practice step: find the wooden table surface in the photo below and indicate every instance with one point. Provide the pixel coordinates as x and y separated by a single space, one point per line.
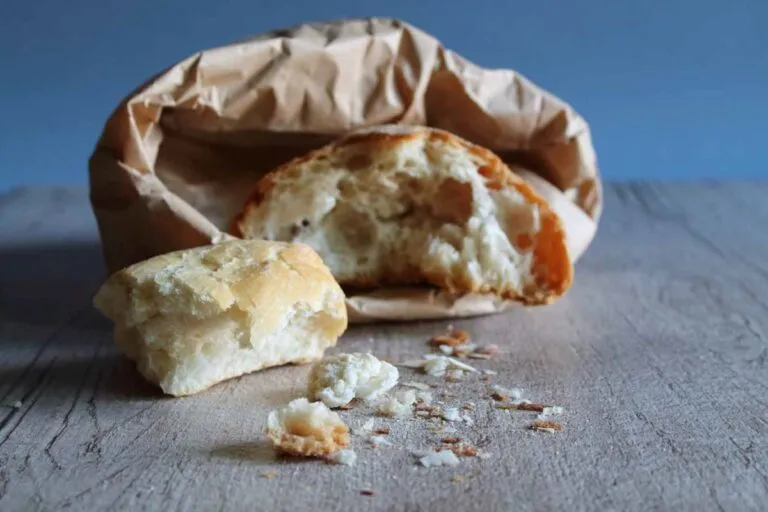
658 354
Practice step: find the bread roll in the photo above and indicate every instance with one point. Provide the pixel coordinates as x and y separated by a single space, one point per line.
196 317
400 205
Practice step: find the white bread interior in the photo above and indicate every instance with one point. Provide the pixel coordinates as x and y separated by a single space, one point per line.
401 205
193 318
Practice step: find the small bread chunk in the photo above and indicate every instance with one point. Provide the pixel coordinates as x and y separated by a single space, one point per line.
399 405
336 380
193 318
441 458
307 429
397 205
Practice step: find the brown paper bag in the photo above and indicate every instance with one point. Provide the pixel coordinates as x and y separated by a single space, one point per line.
179 156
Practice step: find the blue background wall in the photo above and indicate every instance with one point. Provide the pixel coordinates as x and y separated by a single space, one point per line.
674 89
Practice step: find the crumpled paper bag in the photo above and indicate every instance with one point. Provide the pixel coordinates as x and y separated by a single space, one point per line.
179 156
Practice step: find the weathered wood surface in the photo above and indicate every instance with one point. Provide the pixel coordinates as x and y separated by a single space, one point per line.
659 354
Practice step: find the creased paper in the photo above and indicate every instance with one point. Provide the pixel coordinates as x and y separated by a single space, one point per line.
179 156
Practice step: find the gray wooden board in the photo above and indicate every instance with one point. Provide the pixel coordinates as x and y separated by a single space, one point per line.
658 354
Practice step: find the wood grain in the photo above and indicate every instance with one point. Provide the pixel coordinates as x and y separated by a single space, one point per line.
659 355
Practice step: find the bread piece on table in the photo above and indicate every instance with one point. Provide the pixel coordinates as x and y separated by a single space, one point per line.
193 318
307 429
400 205
336 380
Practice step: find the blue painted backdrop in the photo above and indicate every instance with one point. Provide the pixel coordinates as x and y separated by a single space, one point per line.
674 89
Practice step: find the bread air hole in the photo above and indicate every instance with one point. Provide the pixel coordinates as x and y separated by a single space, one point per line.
357 228
347 189
359 161
296 229
413 186
453 201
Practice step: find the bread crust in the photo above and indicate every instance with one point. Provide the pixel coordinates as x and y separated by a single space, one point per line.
551 268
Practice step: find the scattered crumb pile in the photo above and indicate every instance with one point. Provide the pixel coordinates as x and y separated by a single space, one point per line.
365 385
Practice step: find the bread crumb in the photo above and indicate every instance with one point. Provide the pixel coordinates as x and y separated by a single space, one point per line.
344 457
526 406
306 429
452 363
416 385
424 397
364 429
450 414
477 355
437 364
489 350
351 405
551 411
457 479
453 375
398 405
510 393
415 364
520 405
546 426
377 441
441 458
436 367
338 379
464 350
464 450
268 474
453 338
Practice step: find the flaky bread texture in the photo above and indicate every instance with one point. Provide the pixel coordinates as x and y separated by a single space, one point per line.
397 205
193 318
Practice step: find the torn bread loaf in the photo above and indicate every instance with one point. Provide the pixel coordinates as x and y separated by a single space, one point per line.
193 318
398 205
308 429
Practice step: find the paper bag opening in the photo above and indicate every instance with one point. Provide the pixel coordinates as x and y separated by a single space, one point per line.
180 155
